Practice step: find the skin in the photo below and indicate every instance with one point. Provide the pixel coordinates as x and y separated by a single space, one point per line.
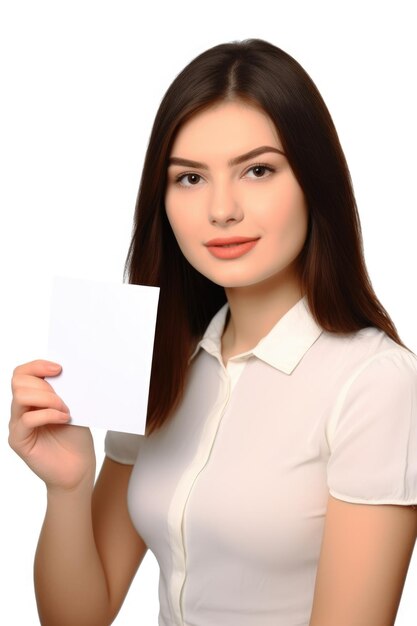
88 549
366 549
204 203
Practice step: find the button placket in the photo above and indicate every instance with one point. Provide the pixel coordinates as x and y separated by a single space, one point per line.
179 501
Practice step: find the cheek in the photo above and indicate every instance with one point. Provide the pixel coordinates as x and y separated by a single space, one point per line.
292 217
289 232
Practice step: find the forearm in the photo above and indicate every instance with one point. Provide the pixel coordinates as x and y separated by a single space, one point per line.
70 582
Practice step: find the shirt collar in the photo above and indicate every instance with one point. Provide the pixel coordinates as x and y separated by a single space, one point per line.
283 347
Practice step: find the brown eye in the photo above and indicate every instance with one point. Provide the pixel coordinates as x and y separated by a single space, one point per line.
192 179
259 171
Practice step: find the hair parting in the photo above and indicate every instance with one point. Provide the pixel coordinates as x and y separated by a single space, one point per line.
331 264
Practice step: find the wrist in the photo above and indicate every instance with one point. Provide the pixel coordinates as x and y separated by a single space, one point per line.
82 491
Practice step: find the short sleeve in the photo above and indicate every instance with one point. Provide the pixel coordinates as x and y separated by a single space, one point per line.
373 447
122 447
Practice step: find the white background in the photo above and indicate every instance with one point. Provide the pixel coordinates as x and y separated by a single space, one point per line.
80 85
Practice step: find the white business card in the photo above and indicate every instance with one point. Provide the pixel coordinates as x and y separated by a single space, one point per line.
102 334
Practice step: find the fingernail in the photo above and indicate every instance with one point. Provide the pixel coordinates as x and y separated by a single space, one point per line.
54 367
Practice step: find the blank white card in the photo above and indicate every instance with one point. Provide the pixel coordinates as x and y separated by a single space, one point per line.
102 334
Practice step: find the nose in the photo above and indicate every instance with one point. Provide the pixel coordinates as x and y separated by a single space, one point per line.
224 207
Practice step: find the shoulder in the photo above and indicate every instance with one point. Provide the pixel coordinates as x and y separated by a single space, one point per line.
372 428
377 359
378 371
353 352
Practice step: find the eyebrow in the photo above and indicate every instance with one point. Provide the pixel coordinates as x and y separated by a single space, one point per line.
235 161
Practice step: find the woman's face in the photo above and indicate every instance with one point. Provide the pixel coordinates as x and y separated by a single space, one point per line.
239 219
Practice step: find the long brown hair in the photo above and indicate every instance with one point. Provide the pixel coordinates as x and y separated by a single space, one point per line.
331 264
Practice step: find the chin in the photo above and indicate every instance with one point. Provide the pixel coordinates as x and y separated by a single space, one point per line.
235 283
269 279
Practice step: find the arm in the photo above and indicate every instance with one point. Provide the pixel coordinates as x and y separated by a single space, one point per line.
88 550
70 583
121 547
364 559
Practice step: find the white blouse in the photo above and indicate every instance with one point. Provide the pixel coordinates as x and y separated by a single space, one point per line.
230 494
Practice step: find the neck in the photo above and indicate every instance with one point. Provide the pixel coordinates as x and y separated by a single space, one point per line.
254 311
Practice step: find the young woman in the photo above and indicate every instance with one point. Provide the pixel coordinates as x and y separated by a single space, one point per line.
283 404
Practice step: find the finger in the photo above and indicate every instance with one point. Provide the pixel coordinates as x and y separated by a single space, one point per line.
39 368
43 417
21 430
31 382
25 398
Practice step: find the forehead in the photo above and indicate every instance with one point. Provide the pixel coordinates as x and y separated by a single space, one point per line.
226 128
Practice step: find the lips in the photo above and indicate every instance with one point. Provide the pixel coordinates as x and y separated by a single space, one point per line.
231 247
230 241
